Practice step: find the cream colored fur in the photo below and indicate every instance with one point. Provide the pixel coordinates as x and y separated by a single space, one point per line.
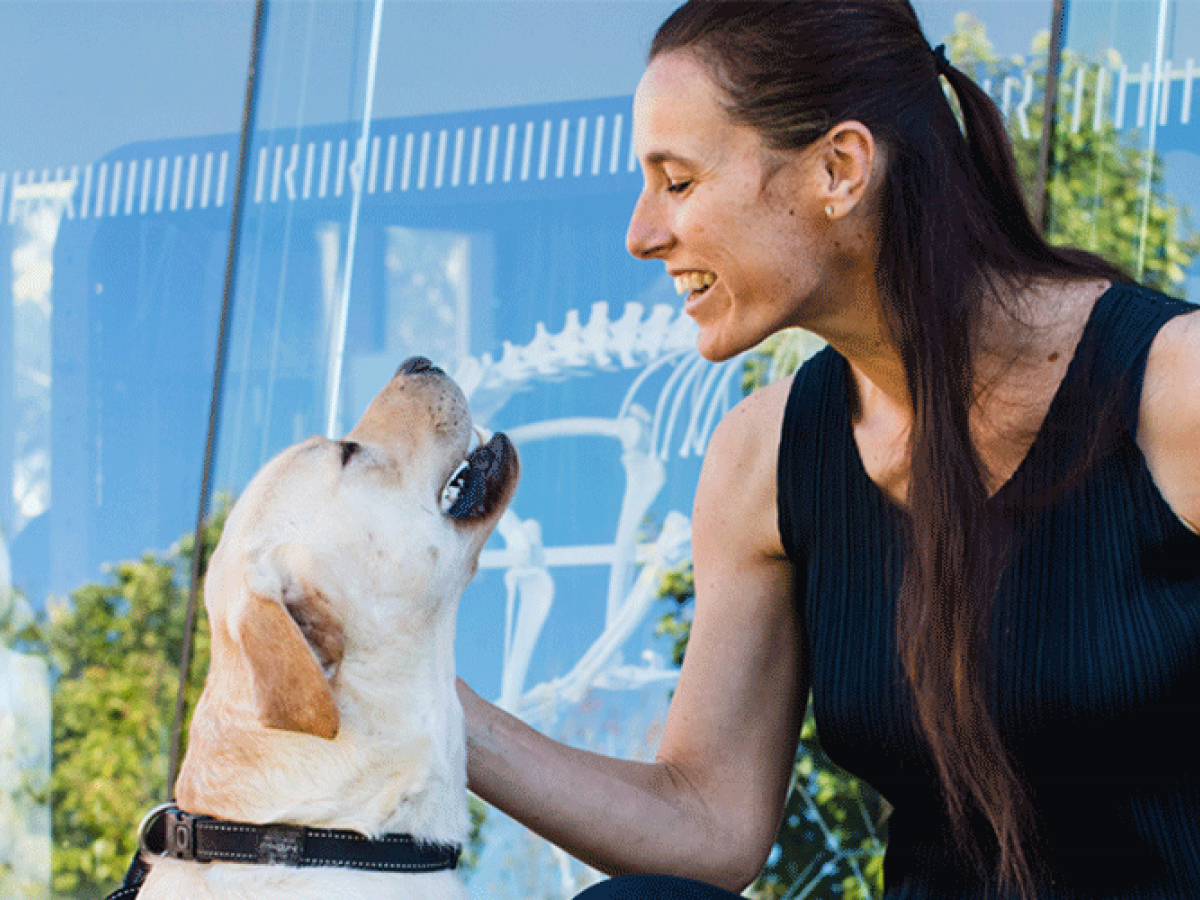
330 699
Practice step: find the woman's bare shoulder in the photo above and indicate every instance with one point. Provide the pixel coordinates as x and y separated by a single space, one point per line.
749 434
763 408
1169 421
739 471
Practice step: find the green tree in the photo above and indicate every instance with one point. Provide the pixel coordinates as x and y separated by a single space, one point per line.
1106 196
1105 189
116 647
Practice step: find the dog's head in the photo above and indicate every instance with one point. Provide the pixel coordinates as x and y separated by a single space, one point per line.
339 545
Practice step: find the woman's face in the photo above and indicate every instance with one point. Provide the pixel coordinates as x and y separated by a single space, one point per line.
741 228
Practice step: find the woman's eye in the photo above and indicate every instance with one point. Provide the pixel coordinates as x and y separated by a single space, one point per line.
678 187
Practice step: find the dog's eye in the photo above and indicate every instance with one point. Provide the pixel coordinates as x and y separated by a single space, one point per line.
349 448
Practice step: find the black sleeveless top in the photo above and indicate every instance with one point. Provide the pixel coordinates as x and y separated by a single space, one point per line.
1096 632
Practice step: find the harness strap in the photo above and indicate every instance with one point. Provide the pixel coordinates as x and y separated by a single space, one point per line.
133 880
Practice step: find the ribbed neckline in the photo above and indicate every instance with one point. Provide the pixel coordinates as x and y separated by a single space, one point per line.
1036 448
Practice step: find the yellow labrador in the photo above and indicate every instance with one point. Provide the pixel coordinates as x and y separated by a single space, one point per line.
330 709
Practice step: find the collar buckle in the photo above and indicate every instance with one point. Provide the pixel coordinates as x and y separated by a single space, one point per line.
181 834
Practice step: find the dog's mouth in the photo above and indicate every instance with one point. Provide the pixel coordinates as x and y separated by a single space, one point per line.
481 480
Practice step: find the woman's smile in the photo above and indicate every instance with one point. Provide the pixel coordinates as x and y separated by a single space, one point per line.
693 282
694 287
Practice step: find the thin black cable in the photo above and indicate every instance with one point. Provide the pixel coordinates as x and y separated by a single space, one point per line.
1050 114
214 414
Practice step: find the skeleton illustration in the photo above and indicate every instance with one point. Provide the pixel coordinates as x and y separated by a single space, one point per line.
650 430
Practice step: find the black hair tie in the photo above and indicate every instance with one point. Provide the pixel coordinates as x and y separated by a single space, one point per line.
940 63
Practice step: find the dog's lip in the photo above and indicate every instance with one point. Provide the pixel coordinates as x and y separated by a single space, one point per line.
489 469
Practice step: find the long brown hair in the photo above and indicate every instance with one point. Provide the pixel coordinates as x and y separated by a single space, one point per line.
957 232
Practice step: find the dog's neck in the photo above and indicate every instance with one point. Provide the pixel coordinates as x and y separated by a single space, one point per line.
398 763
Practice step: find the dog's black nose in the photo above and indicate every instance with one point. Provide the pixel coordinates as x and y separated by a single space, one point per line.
415 365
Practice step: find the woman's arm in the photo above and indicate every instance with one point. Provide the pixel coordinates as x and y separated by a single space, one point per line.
709 806
1169 421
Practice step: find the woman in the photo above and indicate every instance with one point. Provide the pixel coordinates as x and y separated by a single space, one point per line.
970 525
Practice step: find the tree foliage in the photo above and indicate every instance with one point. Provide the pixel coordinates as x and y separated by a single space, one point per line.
1106 196
1105 188
117 649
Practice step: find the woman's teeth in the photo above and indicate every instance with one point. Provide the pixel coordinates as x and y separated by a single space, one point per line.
690 282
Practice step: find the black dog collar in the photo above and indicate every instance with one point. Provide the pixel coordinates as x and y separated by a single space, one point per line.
170 832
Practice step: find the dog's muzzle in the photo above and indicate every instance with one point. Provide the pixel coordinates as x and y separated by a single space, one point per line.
167 831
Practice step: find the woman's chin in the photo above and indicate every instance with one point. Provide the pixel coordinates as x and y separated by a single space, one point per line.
717 344
715 349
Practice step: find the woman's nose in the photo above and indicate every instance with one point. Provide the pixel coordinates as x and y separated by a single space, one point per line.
646 237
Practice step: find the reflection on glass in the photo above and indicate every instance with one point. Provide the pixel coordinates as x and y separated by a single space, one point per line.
1125 181
35 211
428 293
115 175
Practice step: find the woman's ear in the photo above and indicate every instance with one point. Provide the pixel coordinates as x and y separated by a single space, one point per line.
850 157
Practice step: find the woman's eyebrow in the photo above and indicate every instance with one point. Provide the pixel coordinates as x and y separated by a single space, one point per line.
658 157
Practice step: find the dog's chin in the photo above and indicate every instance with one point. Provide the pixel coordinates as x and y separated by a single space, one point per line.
486 483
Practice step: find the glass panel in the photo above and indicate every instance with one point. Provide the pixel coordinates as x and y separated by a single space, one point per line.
1127 174
114 211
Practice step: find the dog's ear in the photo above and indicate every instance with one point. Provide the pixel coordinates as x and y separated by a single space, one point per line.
293 643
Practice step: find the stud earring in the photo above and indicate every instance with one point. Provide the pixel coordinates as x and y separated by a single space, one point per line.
829 210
